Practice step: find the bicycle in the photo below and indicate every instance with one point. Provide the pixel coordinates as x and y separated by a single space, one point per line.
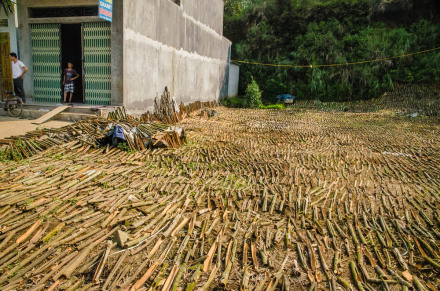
13 104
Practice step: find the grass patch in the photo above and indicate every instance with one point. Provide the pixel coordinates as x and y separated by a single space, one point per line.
234 102
273 106
240 102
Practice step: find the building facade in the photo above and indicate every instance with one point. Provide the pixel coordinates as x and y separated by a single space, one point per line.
148 45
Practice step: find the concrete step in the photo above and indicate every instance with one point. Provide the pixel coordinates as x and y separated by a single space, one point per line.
72 109
33 114
73 117
89 110
73 113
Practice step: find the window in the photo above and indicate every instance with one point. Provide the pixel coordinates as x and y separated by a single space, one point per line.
3 23
49 12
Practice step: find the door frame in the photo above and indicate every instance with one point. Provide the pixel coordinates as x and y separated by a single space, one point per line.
81 24
82 21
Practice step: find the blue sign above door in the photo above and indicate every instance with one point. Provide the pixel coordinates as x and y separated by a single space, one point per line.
106 10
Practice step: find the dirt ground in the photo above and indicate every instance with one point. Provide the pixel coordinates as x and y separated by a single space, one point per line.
256 200
10 126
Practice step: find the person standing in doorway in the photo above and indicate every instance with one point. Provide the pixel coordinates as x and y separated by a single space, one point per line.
18 71
70 75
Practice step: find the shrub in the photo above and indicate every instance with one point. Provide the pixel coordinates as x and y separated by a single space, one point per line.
253 95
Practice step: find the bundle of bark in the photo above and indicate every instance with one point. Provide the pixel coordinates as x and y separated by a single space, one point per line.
85 133
148 131
261 200
94 132
167 111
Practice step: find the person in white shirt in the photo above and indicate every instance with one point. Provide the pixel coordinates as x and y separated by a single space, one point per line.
18 71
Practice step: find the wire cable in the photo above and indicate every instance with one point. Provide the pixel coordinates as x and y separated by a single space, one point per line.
338 65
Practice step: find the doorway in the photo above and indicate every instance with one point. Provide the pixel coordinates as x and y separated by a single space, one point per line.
71 51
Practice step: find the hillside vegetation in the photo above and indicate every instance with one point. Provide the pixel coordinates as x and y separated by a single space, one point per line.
312 32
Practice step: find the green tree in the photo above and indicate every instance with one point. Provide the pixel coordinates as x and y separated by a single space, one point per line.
7 6
322 32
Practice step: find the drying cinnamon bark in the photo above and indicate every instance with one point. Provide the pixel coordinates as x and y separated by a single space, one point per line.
256 200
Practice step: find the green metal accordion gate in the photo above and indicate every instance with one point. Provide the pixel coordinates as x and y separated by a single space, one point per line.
97 63
46 62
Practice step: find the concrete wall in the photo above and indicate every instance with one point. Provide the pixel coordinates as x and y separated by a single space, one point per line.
207 12
11 29
234 77
117 44
164 45
24 37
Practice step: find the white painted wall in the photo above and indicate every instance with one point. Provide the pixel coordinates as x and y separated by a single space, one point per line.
234 77
12 29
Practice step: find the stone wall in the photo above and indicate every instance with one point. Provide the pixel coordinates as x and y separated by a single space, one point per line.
179 46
